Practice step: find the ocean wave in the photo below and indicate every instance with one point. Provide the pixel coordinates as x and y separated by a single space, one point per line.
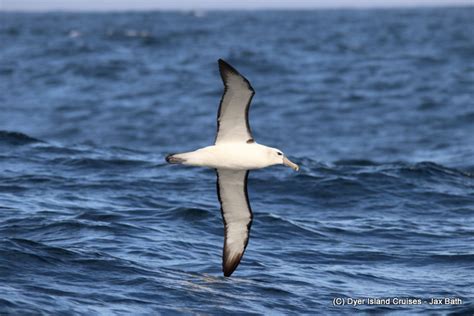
190 214
98 163
276 225
17 139
358 166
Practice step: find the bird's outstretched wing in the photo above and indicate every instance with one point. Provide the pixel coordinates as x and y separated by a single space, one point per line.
232 117
236 213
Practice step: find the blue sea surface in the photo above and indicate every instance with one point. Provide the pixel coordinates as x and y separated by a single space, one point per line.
376 106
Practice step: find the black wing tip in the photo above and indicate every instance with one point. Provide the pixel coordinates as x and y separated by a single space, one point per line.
225 68
229 266
223 65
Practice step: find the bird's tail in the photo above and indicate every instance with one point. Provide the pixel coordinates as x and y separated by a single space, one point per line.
175 159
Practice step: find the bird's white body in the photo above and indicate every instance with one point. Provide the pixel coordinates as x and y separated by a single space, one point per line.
234 156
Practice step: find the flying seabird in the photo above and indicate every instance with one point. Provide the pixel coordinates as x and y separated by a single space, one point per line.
233 154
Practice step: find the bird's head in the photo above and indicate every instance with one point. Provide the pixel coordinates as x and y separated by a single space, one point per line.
278 157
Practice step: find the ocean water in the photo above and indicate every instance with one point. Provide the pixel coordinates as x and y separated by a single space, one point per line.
376 106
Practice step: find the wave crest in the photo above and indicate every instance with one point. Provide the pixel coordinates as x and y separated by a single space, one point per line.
17 138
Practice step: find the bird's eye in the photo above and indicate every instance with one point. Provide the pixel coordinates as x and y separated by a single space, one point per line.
279 154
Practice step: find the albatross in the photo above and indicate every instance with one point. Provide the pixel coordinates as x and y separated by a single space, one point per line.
233 154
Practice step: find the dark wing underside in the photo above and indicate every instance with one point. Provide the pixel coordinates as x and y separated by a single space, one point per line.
232 117
237 215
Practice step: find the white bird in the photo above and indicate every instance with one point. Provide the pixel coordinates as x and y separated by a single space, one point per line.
233 154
